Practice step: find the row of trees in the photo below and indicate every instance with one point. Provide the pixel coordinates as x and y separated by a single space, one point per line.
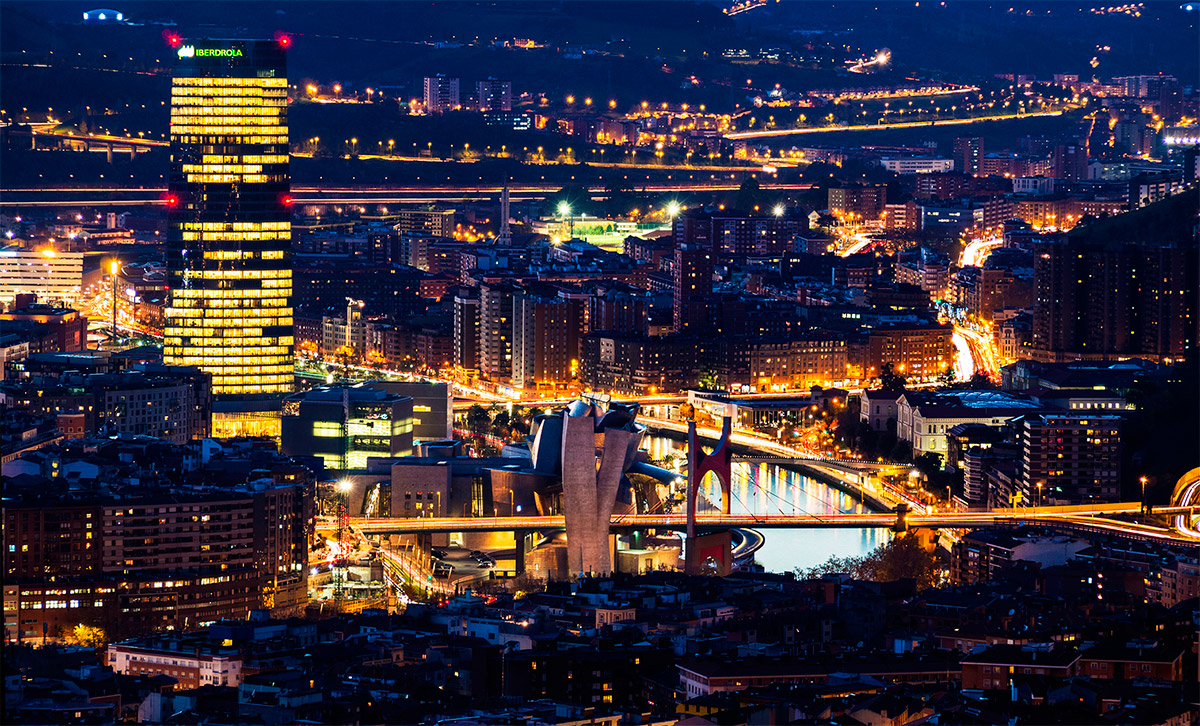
500 422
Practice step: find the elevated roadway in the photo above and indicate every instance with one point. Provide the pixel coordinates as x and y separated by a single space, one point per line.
308 195
1093 518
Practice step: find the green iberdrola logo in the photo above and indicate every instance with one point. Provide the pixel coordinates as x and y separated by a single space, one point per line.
190 51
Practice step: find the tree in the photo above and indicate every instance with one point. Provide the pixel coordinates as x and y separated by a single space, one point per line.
890 380
501 424
928 463
947 377
901 558
478 420
88 636
981 382
855 567
905 558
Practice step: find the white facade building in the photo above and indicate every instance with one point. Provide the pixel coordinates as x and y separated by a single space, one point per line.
191 668
922 419
918 165
55 277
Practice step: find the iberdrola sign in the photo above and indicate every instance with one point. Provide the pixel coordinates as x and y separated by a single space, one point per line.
190 51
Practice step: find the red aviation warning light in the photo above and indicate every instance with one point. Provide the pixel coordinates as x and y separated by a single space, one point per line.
284 40
286 200
172 201
173 39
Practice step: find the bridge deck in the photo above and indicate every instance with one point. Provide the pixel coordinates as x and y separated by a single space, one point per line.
1094 517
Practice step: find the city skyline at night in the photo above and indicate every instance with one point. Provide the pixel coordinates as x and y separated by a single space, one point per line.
679 362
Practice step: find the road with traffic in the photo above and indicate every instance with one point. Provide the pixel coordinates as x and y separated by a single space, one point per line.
1084 517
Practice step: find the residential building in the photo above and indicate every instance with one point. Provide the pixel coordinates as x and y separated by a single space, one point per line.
797 364
1098 299
857 204
995 667
496 330
1070 458
466 331
921 350
494 95
693 285
968 154
548 324
636 365
441 94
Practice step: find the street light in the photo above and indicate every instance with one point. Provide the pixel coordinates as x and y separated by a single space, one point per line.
778 210
564 210
113 267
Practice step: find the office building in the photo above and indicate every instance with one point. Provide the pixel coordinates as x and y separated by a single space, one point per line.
54 277
494 95
229 266
346 424
432 405
441 94
918 165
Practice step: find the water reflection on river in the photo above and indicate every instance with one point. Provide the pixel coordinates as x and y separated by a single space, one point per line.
772 489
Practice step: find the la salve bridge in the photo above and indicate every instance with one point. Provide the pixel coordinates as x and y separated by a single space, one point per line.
1094 518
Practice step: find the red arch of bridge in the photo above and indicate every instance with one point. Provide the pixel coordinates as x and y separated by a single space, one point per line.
719 461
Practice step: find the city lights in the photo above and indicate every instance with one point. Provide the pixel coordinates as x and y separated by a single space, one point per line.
593 362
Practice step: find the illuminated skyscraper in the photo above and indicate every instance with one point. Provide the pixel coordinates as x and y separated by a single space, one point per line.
229 235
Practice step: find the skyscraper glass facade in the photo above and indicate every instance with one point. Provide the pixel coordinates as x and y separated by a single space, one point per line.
229 222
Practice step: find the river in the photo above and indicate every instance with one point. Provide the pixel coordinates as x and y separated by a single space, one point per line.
773 489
